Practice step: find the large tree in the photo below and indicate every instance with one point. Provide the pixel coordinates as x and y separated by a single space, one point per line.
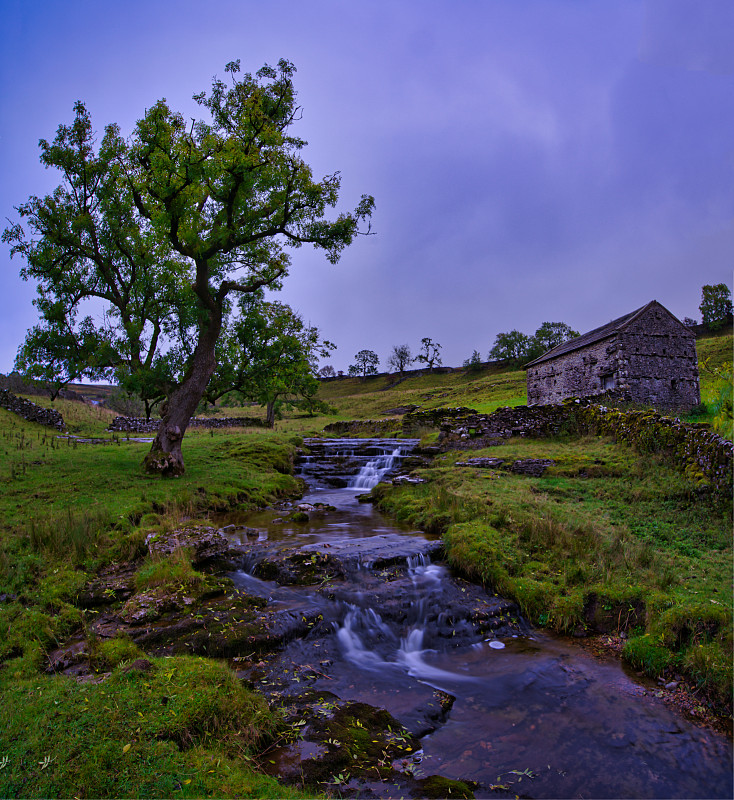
548 336
167 227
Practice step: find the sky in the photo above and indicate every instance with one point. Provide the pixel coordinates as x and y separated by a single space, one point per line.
542 160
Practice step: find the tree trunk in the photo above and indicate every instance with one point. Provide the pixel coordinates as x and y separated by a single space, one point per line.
270 414
165 457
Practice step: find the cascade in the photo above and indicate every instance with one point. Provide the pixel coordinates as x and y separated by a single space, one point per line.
373 471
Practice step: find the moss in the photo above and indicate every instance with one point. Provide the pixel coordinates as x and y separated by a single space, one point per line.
113 652
361 739
435 786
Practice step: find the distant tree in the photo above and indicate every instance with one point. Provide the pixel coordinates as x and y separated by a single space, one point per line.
688 322
512 345
327 371
715 305
550 335
429 354
474 362
400 358
365 363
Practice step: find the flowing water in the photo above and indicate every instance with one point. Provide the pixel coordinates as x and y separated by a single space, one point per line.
531 713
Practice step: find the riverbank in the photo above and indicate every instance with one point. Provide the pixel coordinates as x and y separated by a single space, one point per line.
604 540
134 724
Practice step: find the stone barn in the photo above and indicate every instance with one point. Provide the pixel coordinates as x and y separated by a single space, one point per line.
647 356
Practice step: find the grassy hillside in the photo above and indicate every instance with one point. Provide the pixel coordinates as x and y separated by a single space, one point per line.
182 727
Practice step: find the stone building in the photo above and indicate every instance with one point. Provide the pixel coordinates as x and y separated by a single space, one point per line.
647 356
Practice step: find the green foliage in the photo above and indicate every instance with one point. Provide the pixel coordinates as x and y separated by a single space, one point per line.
548 336
648 655
161 231
721 398
516 346
365 363
268 355
715 305
474 363
509 346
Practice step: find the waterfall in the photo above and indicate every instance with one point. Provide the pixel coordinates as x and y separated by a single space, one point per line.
373 471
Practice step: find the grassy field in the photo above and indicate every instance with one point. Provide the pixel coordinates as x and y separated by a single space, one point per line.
606 537
184 726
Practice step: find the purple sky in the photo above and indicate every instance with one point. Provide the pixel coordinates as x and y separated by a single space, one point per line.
539 161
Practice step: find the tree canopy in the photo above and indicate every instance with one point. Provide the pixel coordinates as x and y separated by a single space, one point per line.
365 363
400 358
430 353
517 346
268 355
510 345
716 306
164 229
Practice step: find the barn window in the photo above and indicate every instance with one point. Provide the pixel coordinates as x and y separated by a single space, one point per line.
673 383
607 382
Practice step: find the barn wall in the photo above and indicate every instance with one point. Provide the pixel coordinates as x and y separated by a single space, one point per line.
575 374
658 361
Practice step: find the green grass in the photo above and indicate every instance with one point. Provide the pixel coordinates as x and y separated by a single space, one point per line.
183 727
603 523
66 511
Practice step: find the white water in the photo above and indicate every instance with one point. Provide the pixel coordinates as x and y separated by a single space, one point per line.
370 643
373 471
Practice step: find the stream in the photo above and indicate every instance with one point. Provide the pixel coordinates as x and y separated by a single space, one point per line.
488 699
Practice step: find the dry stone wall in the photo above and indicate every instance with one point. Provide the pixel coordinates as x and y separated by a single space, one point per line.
140 425
704 455
362 427
30 411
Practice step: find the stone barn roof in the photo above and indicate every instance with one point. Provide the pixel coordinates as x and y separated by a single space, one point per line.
602 332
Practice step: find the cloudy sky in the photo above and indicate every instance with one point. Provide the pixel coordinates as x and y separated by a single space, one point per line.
531 161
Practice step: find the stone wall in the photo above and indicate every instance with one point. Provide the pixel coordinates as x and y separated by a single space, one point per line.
465 428
30 411
362 427
705 456
579 373
141 425
702 454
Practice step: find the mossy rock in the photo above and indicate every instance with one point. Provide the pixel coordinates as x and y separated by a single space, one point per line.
440 787
360 739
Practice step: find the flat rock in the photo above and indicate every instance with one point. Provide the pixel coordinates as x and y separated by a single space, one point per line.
376 551
205 543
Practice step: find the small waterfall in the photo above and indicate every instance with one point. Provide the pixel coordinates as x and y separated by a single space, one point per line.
374 470
374 644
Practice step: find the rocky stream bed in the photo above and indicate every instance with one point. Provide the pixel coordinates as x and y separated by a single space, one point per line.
398 678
